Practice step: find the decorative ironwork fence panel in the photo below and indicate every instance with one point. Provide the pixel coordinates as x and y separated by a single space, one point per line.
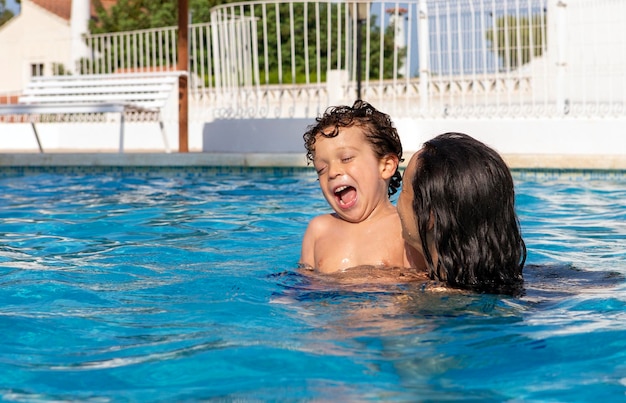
418 58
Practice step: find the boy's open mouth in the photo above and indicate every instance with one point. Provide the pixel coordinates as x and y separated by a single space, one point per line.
346 195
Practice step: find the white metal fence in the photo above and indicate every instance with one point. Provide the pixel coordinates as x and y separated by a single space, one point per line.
419 58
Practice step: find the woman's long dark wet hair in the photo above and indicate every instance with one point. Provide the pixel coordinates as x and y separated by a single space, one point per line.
377 127
467 189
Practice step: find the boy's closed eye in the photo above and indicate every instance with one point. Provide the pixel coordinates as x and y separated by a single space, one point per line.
344 160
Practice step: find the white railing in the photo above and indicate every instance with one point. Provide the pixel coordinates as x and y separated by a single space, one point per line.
420 58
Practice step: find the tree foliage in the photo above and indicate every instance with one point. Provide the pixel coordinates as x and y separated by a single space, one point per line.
386 53
289 48
288 52
130 15
135 15
281 60
5 13
517 41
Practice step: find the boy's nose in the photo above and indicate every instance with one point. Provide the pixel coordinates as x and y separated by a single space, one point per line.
334 170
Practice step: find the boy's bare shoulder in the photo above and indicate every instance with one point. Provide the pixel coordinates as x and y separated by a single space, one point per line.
323 222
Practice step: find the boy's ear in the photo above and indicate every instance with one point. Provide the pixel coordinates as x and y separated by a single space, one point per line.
389 165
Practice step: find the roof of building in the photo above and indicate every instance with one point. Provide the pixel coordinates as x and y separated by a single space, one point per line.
63 8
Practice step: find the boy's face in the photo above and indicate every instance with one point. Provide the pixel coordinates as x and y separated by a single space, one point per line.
353 179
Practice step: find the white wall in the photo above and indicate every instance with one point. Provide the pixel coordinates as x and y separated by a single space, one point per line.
586 60
528 143
540 137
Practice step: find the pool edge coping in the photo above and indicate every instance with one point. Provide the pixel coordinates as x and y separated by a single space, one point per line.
201 159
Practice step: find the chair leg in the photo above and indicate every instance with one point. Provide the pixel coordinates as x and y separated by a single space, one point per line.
37 137
165 142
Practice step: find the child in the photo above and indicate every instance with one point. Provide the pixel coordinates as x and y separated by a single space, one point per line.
457 207
356 152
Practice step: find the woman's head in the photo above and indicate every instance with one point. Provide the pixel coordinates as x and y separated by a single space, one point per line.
458 210
376 126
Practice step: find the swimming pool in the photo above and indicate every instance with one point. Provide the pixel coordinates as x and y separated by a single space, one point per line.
149 284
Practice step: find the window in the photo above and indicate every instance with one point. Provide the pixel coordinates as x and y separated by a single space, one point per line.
36 69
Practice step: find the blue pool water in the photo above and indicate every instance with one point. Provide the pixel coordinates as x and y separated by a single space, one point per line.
151 284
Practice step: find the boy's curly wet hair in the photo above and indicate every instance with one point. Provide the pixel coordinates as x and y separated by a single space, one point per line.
377 127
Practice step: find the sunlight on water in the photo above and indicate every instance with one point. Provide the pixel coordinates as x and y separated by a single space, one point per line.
172 285
566 222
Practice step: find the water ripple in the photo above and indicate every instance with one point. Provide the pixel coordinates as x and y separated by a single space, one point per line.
176 287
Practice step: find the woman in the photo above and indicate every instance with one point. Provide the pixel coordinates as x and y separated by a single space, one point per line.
457 208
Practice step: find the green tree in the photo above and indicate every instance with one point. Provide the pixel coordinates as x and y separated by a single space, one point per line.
134 15
130 15
386 53
5 13
517 40
294 36
302 23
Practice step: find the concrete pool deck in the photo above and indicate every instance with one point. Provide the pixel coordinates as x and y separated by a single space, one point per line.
159 159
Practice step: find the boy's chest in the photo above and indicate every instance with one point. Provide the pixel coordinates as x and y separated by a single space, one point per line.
358 245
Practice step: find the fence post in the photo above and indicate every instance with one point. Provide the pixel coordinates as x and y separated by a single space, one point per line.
336 82
561 58
423 54
183 71
214 28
